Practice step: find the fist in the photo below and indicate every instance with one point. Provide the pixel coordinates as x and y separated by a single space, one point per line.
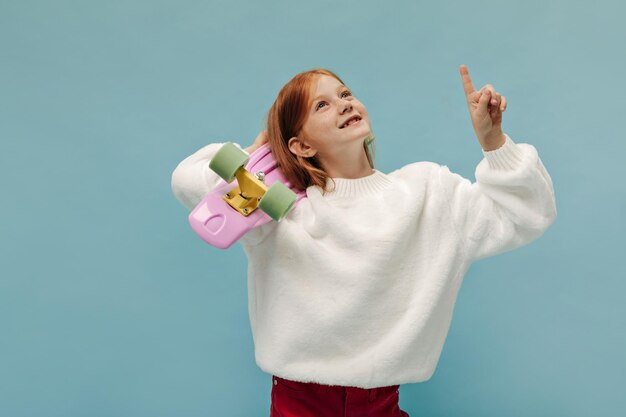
258 142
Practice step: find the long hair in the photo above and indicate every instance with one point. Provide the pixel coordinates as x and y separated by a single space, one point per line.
285 120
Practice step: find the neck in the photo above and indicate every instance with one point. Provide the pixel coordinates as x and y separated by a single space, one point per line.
347 164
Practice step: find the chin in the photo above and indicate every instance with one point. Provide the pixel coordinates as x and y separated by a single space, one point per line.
359 134
366 132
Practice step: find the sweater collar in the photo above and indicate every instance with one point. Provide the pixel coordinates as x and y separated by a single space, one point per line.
347 187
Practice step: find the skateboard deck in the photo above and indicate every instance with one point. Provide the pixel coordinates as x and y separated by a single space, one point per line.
221 225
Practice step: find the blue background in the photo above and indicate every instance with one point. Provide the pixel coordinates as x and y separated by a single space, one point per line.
111 306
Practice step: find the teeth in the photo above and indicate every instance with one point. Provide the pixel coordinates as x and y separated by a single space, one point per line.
349 122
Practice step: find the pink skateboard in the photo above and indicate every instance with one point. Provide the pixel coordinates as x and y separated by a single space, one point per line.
260 193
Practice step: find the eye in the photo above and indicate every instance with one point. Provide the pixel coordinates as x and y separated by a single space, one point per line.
318 105
347 93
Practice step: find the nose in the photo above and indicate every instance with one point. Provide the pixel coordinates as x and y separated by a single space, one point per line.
346 106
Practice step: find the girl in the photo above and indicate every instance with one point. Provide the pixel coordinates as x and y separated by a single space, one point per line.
351 294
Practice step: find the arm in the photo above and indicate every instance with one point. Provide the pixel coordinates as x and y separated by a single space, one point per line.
511 203
192 179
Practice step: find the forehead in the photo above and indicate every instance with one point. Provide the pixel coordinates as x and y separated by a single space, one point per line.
326 84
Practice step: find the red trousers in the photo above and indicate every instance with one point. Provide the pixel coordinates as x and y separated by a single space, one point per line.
307 399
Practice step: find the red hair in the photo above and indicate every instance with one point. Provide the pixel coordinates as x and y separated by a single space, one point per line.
285 120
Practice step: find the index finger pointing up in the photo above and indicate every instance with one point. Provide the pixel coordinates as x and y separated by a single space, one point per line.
468 87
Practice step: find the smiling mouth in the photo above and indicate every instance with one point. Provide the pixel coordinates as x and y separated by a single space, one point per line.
350 121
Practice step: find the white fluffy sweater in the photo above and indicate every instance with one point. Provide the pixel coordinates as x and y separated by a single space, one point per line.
357 287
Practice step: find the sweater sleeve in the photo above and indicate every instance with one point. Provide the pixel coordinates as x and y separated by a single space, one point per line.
511 203
192 179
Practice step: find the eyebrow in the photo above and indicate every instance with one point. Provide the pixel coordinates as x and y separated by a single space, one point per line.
341 87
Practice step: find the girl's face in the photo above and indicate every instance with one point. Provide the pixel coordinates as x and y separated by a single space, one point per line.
325 129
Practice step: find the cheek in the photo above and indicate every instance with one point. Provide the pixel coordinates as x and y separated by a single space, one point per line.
319 126
314 129
362 110
365 116
325 124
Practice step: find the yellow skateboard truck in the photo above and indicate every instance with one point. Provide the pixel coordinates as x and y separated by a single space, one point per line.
247 193
251 191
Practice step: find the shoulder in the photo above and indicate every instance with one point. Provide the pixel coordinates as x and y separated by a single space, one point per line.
422 170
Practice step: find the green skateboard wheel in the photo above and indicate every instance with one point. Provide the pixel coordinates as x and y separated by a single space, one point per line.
228 159
277 200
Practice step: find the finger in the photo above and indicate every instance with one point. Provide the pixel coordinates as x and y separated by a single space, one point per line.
495 102
503 104
495 99
483 103
494 110
492 90
468 87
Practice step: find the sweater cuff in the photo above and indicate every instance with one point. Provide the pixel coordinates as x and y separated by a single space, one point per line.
507 157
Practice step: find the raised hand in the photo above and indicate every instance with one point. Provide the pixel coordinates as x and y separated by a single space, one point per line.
486 107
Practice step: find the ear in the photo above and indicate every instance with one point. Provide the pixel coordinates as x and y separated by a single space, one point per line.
298 147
